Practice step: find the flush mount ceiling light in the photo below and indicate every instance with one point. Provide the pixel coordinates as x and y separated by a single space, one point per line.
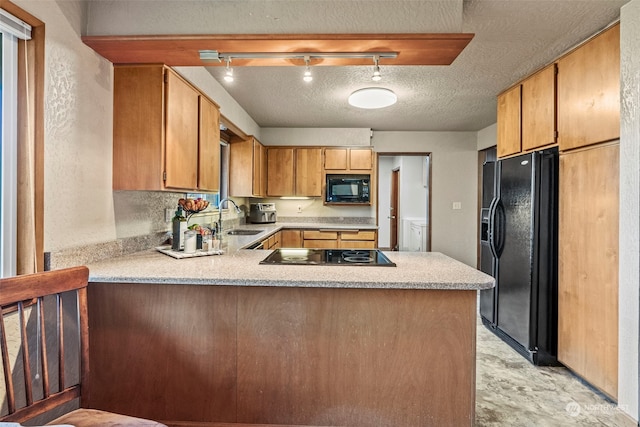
372 97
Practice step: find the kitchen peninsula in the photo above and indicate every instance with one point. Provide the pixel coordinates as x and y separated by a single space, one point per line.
224 339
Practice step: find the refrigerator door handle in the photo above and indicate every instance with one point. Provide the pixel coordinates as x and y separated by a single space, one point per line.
492 220
498 231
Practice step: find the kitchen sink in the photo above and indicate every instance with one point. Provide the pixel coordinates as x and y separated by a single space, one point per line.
243 232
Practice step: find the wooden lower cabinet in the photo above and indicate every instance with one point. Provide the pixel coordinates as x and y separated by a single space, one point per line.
291 238
588 265
272 242
318 239
339 239
358 239
283 355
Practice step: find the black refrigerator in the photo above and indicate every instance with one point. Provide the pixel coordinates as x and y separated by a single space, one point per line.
519 247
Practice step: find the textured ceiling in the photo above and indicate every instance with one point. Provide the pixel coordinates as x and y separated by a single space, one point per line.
512 39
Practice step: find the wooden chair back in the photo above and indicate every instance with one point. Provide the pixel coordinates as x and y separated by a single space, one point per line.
24 297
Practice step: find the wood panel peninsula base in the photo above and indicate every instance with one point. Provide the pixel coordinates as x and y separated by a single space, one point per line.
213 341
283 355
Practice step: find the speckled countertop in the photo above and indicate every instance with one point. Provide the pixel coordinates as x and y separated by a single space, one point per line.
240 267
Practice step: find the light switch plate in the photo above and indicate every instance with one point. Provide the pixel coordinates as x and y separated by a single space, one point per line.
168 214
456 206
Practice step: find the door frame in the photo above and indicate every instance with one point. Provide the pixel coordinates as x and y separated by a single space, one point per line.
429 187
394 196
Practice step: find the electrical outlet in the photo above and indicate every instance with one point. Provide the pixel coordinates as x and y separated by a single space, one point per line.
168 214
456 206
299 209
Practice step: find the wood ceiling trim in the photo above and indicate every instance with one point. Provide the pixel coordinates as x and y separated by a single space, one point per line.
183 50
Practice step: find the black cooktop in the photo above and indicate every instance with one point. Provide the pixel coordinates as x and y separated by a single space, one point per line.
348 257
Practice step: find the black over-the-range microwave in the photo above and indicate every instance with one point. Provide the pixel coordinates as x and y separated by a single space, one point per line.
347 189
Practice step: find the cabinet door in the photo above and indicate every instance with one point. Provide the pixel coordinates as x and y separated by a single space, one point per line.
588 265
308 172
335 158
509 122
138 157
258 168
240 168
209 146
262 190
280 172
291 238
181 133
589 92
539 109
360 159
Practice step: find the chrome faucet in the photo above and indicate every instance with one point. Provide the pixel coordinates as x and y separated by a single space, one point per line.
219 224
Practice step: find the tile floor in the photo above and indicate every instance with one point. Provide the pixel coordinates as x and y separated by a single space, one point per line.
512 392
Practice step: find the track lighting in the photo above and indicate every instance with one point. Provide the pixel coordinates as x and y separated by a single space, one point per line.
228 75
307 71
376 77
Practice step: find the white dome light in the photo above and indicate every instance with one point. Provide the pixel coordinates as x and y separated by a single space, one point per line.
372 97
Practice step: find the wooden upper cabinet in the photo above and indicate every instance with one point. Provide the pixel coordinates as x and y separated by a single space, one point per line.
181 129
259 170
360 159
156 131
589 92
294 171
247 168
336 158
280 171
539 109
508 128
209 144
348 159
308 172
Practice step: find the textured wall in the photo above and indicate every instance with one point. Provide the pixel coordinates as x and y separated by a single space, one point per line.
316 136
629 208
487 137
454 178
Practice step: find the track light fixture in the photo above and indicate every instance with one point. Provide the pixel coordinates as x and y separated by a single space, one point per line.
214 55
228 75
376 77
307 71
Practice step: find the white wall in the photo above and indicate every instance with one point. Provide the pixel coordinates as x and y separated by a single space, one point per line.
78 120
316 136
454 167
629 298
487 137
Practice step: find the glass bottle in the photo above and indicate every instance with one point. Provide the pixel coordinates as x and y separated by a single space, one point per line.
179 226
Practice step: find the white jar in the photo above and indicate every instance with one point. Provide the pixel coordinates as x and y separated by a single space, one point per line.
190 241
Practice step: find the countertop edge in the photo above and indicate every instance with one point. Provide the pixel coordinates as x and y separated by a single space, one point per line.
297 284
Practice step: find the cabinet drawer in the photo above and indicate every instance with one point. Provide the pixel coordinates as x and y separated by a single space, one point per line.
358 235
320 235
357 244
321 244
